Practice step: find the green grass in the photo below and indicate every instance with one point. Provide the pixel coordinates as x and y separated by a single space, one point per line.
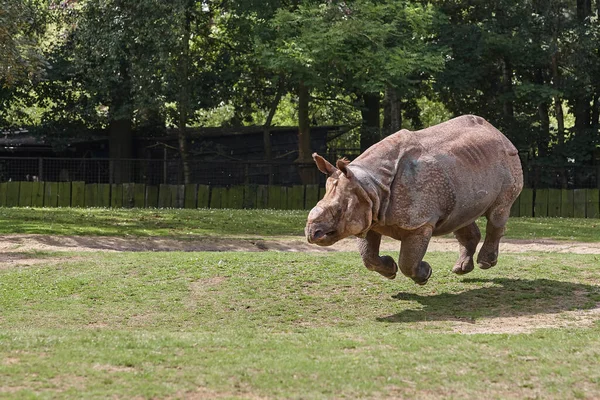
288 325
217 222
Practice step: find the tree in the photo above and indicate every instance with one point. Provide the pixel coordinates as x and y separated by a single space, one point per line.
22 25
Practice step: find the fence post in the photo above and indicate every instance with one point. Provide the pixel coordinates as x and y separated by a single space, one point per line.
111 170
40 169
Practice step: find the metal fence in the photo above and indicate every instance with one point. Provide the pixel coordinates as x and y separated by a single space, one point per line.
154 172
229 173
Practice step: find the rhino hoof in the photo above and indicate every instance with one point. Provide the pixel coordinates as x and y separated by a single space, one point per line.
421 281
486 265
387 260
464 267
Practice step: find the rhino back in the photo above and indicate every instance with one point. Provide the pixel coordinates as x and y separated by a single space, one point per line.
446 175
479 163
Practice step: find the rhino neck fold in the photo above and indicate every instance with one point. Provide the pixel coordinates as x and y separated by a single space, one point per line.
378 167
377 190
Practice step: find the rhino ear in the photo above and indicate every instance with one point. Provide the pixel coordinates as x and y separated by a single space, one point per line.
342 163
323 165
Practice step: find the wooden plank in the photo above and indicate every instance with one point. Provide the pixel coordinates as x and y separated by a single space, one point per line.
151 196
3 190
177 195
78 194
262 196
175 199
554 202
526 203
37 194
128 196
296 197
12 194
592 207
25 191
514 209
191 195
139 195
203 196
103 195
541 203
235 197
579 203
283 205
217 194
64 194
91 195
566 203
250 197
116 195
274 201
164 196
51 194
311 196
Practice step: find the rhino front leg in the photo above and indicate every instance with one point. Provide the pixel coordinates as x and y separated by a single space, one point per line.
468 237
413 248
369 251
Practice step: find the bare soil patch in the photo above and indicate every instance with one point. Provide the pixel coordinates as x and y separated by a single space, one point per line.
529 323
27 243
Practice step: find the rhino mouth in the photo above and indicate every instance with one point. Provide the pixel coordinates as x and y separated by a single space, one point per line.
322 237
319 234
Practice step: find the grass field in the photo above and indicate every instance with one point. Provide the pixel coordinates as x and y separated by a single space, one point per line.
223 222
271 325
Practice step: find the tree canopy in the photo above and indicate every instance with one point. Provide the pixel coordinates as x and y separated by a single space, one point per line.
532 68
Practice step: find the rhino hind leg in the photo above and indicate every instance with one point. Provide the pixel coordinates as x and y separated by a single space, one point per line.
494 230
468 237
412 250
369 251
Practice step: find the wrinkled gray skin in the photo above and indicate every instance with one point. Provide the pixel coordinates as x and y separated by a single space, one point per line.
415 185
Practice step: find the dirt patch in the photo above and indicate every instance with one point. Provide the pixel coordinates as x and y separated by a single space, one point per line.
26 243
529 323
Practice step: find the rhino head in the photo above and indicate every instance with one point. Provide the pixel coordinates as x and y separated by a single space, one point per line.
345 210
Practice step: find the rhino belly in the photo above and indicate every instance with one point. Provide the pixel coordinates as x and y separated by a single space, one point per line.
472 200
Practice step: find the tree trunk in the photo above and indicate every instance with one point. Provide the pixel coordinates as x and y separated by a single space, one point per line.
584 9
560 120
120 145
267 126
120 141
544 140
304 151
307 172
595 122
544 116
392 112
507 89
370 129
184 97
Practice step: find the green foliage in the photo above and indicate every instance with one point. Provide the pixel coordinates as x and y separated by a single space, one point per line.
234 63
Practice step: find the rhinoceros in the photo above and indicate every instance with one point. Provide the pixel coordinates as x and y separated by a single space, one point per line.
413 185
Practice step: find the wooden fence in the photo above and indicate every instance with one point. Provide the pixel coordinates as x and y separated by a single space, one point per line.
579 203
128 195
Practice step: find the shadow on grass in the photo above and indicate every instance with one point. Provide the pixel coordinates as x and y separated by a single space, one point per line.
507 298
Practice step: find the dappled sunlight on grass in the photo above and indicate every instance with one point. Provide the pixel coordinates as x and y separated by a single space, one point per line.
227 222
